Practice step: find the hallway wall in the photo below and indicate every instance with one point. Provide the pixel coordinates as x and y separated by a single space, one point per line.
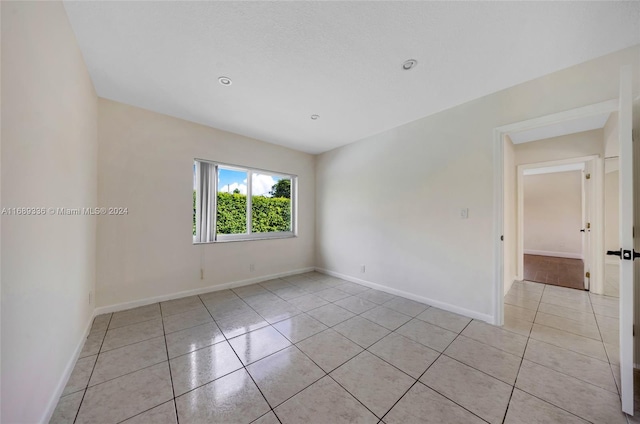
49 160
553 214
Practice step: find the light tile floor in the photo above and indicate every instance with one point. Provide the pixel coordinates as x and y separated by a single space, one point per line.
316 349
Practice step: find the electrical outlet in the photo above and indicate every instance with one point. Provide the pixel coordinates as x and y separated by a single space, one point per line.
464 213
252 267
362 268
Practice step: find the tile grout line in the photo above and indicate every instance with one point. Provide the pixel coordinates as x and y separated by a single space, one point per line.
543 400
166 346
326 374
567 331
442 353
431 388
331 327
92 369
560 316
364 349
351 394
149 366
226 338
571 376
305 387
524 352
606 352
244 367
349 296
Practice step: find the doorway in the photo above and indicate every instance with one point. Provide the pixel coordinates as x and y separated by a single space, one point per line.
628 112
555 236
509 249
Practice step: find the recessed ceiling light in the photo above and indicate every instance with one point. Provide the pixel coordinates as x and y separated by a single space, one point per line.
224 80
409 64
314 117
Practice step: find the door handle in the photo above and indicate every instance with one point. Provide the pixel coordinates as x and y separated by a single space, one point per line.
582 231
617 253
628 255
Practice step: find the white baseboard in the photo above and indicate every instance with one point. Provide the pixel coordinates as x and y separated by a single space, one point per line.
53 401
149 300
568 255
432 302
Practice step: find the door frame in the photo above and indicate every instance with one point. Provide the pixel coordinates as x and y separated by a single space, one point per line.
499 134
597 193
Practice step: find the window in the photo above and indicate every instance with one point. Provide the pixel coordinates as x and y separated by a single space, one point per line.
236 203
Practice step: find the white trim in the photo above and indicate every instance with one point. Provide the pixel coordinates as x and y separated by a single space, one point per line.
563 128
519 222
555 169
248 234
62 383
498 227
611 261
596 285
442 305
555 118
554 163
498 186
217 287
226 238
626 211
567 255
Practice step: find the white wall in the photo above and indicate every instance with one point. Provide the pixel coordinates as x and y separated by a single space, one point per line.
611 142
146 165
569 146
392 201
49 145
553 214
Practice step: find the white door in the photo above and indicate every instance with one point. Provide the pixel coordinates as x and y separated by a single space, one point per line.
627 252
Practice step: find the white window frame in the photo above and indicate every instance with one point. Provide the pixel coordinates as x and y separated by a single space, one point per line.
218 238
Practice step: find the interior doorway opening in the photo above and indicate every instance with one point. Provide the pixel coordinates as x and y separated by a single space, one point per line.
555 222
551 140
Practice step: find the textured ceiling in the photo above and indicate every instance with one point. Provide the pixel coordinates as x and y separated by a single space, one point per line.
340 60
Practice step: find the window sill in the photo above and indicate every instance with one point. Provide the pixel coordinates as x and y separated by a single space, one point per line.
250 238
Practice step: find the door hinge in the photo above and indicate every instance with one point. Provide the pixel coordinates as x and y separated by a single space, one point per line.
588 176
588 225
501 238
588 274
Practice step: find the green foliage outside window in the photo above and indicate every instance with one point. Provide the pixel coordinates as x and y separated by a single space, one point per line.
281 189
268 214
232 213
